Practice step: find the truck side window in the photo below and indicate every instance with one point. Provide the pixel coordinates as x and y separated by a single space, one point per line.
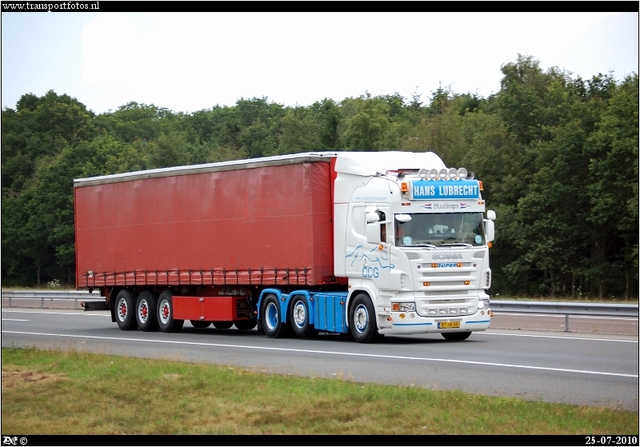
383 226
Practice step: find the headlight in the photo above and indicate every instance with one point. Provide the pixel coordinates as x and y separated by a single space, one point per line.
483 304
403 307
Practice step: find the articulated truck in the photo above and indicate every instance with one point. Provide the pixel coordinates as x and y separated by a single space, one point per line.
356 243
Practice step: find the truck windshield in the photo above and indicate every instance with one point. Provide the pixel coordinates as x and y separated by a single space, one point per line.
442 229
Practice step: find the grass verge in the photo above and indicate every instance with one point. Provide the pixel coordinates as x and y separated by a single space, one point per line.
66 393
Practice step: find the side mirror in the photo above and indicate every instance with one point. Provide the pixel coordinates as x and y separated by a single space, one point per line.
372 232
491 215
489 230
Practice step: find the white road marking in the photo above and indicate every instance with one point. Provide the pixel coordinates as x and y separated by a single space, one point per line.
565 337
313 351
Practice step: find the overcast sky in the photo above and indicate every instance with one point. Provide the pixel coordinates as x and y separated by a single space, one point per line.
192 61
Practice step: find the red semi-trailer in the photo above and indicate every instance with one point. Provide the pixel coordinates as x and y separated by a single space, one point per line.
215 234
328 241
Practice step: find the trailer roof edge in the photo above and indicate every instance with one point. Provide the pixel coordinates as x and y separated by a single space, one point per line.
304 157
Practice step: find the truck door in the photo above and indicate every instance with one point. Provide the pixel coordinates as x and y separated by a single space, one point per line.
377 263
367 248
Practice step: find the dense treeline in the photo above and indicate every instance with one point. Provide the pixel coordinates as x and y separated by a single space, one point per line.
558 157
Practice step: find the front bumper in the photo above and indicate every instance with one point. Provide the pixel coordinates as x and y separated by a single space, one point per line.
412 323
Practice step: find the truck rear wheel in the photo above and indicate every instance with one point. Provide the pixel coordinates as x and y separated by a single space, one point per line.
200 324
362 320
222 324
165 313
125 313
146 311
272 319
300 315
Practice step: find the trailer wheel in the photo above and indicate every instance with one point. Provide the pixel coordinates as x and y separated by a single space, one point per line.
271 318
200 324
222 324
165 313
300 314
362 320
246 325
125 313
455 336
146 311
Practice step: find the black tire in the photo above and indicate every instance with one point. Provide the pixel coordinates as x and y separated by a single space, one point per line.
362 320
200 324
455 336
246 325
222 324
125 310
299 316
146 311
165 313
272 318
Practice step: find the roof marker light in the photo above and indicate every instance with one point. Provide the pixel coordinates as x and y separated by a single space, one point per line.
462 173
452 173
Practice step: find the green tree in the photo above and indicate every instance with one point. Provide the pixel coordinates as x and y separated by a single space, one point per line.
366 121
327 115
168 150
40 127
299 132
613 188
133 121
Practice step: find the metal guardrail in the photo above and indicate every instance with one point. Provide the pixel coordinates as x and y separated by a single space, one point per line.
566 309
515 306
46 295
571 308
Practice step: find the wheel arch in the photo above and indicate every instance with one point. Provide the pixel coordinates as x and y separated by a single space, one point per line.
308 298
283 301
355 292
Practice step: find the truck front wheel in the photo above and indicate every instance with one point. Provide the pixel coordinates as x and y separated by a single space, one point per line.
456 336
362 320
271 318
165 313
125 313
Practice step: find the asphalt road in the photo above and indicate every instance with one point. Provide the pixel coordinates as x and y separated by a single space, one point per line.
593 368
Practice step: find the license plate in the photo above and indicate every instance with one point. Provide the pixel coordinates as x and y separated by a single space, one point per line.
449 325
